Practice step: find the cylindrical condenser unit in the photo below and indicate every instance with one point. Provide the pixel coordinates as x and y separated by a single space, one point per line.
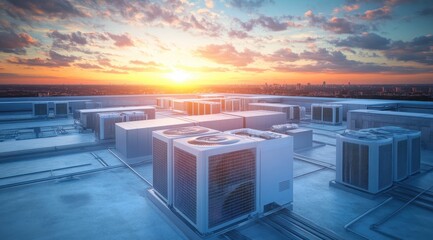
364 161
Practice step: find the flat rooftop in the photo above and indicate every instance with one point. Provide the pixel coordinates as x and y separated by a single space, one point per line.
86 192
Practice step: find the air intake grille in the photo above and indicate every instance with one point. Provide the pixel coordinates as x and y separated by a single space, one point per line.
317 113
337 115
296 113
185 184
385 166
355 165
61 108
327 114
231 185
41 109
402 160
160 163
416 155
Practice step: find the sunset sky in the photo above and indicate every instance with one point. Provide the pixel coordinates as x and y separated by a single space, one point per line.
216 41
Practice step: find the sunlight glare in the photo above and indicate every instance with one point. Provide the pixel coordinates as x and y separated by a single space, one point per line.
178 76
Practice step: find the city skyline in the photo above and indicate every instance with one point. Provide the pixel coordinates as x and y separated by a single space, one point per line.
216 42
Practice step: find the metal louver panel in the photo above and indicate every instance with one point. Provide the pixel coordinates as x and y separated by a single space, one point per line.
296 113
185 184
402 162
355 165
385 166
317 113
232 186
415 163
337 114
61 108
160 163
41 109
327 115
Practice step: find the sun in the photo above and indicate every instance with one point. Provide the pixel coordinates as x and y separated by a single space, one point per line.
178 76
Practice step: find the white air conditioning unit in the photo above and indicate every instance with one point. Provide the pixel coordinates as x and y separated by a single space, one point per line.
414 146
275 167
106 125
133 116
327 113
364 161
162 146
232 105
215 180
400 152
164 102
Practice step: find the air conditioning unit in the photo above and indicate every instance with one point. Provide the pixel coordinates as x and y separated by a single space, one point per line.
302 138
400 152
134 139
61 108
106 125
414 146
133 116
163 157
232 105
327 113
293 112
164 102
203 107
364 161
215 180
260 119
275 167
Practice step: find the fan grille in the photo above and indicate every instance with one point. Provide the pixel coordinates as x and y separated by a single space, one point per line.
213 140
231 185
185 131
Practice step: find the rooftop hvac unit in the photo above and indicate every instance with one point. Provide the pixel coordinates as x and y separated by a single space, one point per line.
260 119
106 122
134 139
245 101
364 161
91 105
214 181
293 112
61 108
164 102
202 107
179 105
163 157
232 105
414 146
133 116
221 122
40 109
327 113
302 138
275 167
399 151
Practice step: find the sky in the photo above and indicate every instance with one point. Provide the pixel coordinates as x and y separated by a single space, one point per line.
216 42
